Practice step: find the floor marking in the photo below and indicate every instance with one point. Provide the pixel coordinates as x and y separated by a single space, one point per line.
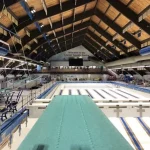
79 92
108 93
60 93
119 94
99 93
89 94
132 136
145 127
128 93
70 93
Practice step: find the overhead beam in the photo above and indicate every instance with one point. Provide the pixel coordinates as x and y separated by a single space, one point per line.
136 71
109 37
103 43
45 46
52 11
63 44
69 36
147 68
100 56
118 29
98 47
59 34
75 40
144 13
89 49
131 15
131 72
115 36
8 3
35 33
54 42
75 44
44 6
88 44
127 26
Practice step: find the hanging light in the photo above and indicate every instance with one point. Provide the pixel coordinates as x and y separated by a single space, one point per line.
32 10
41 25
139 34
125 42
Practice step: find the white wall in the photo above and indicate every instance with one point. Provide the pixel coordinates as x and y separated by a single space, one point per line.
61 59
79 51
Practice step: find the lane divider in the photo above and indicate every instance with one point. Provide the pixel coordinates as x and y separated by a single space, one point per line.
99 93
119 94
128 93
131 86
43 95
132 136
79 92
145 127
70 93
109 94
89 94
60 93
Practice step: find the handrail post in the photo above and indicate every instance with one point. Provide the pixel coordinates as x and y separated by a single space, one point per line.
22 102
35 93
40 91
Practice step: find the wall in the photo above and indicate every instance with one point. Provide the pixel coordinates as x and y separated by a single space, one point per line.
79 51
61 59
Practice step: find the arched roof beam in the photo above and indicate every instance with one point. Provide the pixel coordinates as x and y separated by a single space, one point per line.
54 42
118 29
110 38
103 43
35 33
40 15
131 15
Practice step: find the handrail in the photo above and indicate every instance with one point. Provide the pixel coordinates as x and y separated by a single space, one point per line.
26 100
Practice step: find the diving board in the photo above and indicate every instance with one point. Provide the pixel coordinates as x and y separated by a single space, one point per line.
73 123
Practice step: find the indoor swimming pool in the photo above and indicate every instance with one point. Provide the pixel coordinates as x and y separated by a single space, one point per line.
97 91
120 104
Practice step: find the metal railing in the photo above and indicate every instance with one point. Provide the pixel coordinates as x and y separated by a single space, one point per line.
27 99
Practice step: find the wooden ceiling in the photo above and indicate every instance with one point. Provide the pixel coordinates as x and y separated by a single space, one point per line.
109 29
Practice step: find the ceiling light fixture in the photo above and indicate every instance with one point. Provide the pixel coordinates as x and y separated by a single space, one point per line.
32 10
41 25
138 33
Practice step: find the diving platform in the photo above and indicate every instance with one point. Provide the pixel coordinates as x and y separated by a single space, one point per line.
74 123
